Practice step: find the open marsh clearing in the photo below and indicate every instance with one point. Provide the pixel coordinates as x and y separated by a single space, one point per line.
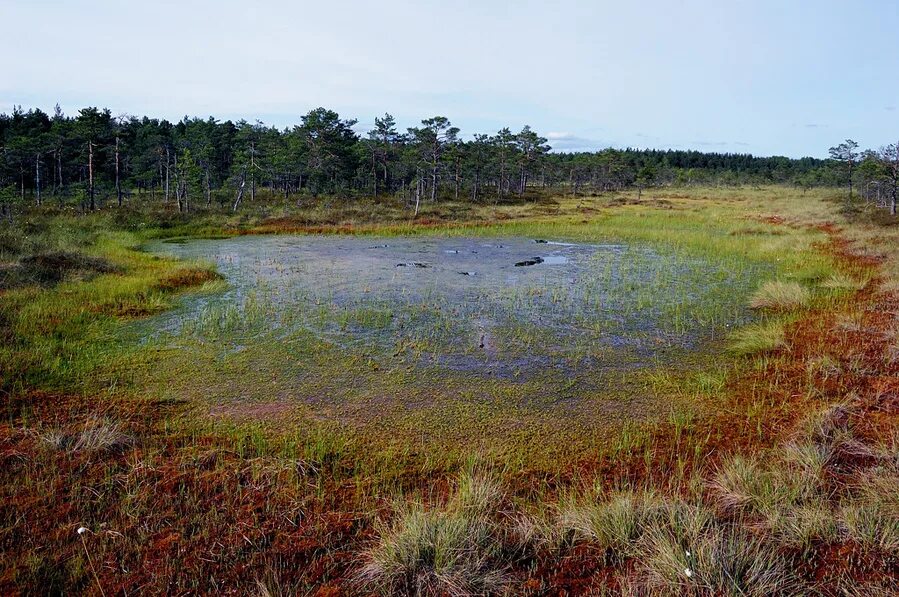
315 411
441 330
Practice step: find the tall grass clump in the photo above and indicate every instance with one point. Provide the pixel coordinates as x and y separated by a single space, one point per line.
680 546
453 549
756 338
743 485
98 434
613 524
689 554
843 282
784 497
872 518
776 295
872 526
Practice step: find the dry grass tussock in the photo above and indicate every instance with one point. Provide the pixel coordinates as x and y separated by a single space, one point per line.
744 530
97 434
454 548
840 281
678 546
757 338
776 295
689 553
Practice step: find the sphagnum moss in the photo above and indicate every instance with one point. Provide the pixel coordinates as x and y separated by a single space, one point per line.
281 508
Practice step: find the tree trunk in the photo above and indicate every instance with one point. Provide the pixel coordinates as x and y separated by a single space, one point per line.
240 189
90 174
37 177
167 175
118 185
434 181
374 173
849 198
208 190
417 195
253 172
894 171
893 184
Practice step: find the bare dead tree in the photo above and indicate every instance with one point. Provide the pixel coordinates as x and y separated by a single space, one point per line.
90 174
241 185
890 157
167 175
37 177
118 182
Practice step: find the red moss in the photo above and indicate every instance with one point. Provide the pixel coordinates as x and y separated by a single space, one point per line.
306 531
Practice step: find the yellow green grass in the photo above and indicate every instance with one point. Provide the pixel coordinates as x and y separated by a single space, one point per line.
427 519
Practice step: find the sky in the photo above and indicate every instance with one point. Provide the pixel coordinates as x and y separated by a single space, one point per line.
786 77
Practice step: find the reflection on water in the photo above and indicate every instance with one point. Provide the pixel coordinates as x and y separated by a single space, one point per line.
493 305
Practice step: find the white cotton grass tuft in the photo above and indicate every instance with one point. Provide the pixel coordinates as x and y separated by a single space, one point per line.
81 531
688 572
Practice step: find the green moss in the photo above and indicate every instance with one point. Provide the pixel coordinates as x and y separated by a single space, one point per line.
230 364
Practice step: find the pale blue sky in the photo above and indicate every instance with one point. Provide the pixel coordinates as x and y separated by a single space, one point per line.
788 77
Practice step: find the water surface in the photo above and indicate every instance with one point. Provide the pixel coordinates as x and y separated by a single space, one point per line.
489 306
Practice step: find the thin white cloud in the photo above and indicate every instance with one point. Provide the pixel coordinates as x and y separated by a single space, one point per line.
288 57
554 136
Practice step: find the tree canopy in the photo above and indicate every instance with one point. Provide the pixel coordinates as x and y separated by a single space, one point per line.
91 157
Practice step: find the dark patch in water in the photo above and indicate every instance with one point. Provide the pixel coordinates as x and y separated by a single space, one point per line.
528 262
514 324
540 241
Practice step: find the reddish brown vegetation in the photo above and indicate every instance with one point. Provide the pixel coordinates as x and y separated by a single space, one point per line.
869 385
183 514
186 278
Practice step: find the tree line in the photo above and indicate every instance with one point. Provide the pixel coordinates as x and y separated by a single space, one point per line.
94 158
877 172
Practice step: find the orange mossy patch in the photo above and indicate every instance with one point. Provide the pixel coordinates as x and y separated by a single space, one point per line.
183 512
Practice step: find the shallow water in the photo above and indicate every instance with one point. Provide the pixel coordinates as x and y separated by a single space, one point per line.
497 306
